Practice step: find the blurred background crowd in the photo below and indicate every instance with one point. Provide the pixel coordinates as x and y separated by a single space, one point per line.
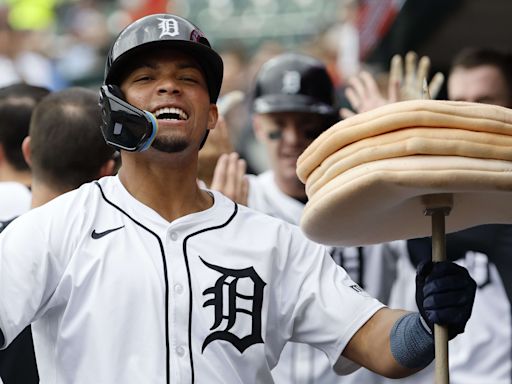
61 43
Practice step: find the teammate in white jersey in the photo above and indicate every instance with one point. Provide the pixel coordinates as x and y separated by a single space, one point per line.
59 162
146 278
17 102
293 102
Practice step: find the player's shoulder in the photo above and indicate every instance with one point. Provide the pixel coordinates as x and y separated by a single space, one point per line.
261 178
8 187
261 184
65 209
15 199
265 195
263 222
240 212
85 196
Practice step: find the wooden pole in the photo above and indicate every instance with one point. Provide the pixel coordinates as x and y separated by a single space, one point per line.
438 206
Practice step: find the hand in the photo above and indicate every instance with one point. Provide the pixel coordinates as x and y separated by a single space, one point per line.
411 87
230 179
364 94
218 143
445 293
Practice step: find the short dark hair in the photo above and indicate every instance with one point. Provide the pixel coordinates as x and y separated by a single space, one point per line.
472 57
17 101
67 147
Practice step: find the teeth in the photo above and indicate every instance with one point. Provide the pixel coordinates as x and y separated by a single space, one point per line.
182 115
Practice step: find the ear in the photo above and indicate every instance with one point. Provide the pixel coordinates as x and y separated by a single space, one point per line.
25 148
257 127
107 169
213 116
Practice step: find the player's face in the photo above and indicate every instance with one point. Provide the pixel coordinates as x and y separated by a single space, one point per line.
285 136
172 86
483 84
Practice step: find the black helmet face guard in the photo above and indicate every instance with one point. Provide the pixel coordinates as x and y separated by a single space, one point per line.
124 126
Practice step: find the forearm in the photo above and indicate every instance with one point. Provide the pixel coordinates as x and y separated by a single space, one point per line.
371 347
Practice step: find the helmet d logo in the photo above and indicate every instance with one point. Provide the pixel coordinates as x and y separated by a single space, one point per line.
168 27
291 82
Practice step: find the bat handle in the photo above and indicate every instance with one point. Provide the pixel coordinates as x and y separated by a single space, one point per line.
439 206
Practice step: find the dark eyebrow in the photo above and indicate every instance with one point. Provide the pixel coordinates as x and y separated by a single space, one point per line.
181 65
188 64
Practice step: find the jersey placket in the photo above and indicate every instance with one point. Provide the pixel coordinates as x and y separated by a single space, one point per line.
179 294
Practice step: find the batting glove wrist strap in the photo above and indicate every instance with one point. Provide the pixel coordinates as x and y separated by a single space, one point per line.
411 345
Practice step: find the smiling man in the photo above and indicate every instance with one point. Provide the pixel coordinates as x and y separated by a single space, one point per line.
185 286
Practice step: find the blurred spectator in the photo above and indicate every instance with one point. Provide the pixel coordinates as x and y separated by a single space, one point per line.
82 48
21 57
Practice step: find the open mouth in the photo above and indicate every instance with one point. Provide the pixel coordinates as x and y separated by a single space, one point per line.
171 113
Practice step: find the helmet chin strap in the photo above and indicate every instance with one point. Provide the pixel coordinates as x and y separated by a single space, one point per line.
204 138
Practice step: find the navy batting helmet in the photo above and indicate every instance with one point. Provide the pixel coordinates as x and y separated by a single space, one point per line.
167 30
129 128
293 82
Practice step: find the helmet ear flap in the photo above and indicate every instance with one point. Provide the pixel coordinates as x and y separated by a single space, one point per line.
116 91
123 125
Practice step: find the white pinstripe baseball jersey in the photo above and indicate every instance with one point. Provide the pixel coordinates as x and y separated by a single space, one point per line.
117 294
483 353
371 267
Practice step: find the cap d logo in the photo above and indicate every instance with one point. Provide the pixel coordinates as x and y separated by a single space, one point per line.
168 27
291 82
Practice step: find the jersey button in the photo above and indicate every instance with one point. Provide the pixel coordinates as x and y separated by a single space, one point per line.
180 351
178 288
174 236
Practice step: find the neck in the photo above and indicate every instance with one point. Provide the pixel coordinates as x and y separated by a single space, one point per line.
10 174
43 193
168 188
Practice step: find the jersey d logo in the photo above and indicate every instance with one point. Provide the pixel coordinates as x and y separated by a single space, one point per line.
240 306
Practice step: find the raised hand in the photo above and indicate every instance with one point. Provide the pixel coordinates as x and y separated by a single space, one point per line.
405 83
218 143
230 178
410 86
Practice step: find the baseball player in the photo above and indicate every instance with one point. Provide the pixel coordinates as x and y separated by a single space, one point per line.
64 149
145 277
484 353
16 104
293 102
